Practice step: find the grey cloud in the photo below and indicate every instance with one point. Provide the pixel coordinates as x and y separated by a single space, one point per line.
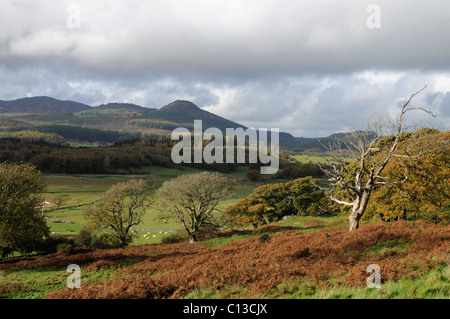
308 67
275 37
444 108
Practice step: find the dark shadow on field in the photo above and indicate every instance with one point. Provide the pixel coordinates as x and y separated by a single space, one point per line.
270 229
257 231
79 256
168 255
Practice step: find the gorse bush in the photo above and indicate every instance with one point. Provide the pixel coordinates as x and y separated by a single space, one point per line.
272 202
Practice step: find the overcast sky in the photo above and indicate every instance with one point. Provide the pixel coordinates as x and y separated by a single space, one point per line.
308 67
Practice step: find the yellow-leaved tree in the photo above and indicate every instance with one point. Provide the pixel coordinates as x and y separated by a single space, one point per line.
271 202
424 192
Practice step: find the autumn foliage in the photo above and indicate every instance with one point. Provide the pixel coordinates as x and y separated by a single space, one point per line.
426 190
271 202
328 257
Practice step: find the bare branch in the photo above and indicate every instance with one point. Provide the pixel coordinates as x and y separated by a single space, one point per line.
340 201
392 183
370 161
422 109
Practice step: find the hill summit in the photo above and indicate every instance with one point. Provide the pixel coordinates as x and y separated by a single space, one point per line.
182 106
181 111
41 105
126 117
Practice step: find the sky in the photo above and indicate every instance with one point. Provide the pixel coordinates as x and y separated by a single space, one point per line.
307 67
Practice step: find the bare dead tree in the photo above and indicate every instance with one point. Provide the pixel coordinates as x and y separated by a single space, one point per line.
371 159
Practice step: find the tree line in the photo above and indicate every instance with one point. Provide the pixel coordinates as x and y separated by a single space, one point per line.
77 133
193 199
124 156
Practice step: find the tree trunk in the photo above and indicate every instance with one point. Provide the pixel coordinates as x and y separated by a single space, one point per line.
192 238
359 206
354 221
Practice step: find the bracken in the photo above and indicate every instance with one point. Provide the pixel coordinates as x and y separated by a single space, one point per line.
172 270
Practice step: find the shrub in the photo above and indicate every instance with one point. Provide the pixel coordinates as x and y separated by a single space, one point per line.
66 249
444 217
208 229
271 202
105 241
52 244
84 238
174 238
253 174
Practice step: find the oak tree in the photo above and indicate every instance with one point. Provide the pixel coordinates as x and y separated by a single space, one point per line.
121 208
193 200
372 150
22 226
60 199
426 191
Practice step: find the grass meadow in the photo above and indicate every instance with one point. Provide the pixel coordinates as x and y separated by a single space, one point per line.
299 258
312 159
312 257
86 189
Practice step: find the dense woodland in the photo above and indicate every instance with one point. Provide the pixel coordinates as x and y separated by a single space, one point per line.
76 133
124 156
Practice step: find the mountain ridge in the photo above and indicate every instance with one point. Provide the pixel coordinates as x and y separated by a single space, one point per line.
116 115
41 105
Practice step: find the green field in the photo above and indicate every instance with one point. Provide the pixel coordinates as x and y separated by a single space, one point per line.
323 159
312 159
417 281
86 189
298 257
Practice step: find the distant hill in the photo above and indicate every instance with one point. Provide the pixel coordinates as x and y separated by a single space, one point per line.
119 109
186 112
347 136
317 145
41 105
187 108
123 117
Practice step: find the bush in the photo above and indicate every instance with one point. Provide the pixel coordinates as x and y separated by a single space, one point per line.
66 249
208 229
271 202
444 217
174 238
438 218
52 244
84 238
105 241
253 174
